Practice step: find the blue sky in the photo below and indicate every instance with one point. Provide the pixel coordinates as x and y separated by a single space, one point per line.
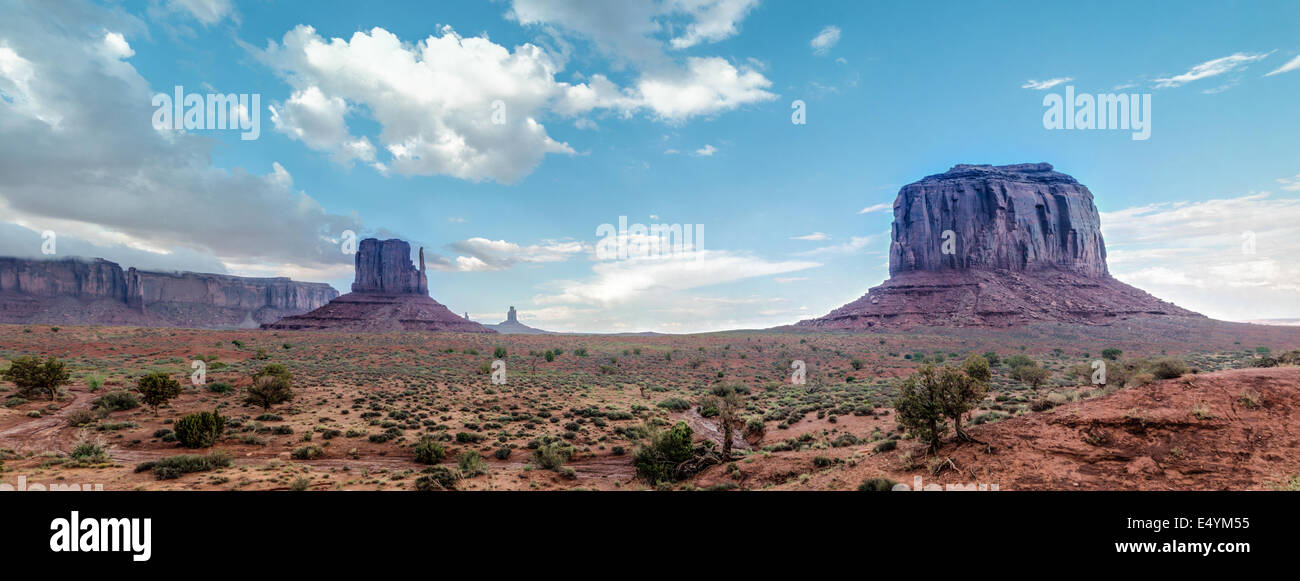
675 111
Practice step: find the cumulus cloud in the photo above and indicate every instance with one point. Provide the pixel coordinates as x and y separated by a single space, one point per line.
464 107
825 40
467 107
711 20
1046 84
95 169
1228 258
1211 68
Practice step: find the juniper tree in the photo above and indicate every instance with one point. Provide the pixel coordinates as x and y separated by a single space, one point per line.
157 388
31 375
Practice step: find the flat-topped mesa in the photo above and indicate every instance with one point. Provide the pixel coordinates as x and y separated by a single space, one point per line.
987 245
385 267
1019 217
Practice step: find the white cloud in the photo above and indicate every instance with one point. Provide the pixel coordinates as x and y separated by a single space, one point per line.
484 254
1228 258
876 208
1211 68
1044 85
208 12
1291 184
648 279
707 86
1290 65
91 169
713 20
317 120
825 40
706 151
438 101
470 108
813 236
789 279
116 46
855 245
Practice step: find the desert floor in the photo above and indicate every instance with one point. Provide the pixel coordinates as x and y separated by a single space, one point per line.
365 400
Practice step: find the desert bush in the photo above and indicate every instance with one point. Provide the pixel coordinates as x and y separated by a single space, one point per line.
676 404
428 451
88 451
1111 353
271 385
1168 368
176 466
877 484
34 377
471 464
200 430
436 478
219 387
117 401
81 417
660 459
307 452
553 455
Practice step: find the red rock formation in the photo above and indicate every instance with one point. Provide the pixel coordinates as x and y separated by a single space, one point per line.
981 245
388 294
79 292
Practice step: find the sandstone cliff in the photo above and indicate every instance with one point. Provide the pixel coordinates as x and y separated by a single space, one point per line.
73 291
988 245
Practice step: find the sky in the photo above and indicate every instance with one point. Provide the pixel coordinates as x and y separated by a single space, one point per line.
502 136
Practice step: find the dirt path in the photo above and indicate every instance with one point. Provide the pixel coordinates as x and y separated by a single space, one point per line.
48 432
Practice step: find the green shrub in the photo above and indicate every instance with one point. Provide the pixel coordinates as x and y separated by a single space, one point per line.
436 478
117 401
676 404
176 466
553 455
876 484
658 461
429 452
272 384
307 452
471 464
200 430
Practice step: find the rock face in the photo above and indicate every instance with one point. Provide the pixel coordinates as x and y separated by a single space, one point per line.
512 326
1012 217
988 245
73 291
385 267
388 294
